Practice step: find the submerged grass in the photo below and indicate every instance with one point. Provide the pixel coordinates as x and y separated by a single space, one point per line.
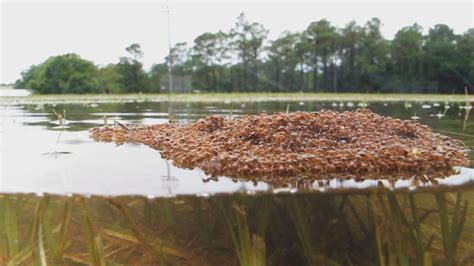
235 97
309 229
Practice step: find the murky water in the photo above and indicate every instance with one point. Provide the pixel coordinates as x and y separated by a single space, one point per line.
211 223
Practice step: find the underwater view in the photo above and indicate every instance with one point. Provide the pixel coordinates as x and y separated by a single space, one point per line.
67 199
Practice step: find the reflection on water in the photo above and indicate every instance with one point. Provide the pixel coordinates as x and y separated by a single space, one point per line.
61 158
338 223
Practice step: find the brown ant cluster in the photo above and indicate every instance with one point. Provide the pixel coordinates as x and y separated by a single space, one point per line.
300 146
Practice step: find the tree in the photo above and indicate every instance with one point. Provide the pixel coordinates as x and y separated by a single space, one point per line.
322 37
179 59
465 55
350 43
27 76
62 74
303 55
109 79
209 52
130 69
406 51
248 43
322 58
373 57
283 60
157 74
440 60
406 54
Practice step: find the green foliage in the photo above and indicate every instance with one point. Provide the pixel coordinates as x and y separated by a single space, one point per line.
109 79
132 77
322 58
61 74
157 74
247 43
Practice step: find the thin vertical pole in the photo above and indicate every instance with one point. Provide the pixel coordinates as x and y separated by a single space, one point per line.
169 53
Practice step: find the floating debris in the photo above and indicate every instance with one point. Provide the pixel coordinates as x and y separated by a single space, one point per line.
300 146
415 118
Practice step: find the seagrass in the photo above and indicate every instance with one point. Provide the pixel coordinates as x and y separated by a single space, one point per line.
296 146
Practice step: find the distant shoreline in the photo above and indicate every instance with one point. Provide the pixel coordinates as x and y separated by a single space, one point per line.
232 97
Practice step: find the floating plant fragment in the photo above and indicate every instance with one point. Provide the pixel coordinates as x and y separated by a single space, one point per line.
300 146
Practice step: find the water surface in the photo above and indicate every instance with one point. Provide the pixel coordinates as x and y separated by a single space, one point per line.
41 154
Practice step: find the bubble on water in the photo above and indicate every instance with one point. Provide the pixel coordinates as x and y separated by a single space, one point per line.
281 190
414 184
93 105
301 103
436 104
350 104
426 106
391 186
334 104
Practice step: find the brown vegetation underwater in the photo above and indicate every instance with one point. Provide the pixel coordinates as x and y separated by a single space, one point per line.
300 146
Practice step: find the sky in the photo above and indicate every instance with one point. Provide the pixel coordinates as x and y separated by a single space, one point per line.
99 31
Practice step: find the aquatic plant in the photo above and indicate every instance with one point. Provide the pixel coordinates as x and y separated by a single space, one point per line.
384 228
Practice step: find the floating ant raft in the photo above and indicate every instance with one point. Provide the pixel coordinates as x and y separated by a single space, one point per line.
300 146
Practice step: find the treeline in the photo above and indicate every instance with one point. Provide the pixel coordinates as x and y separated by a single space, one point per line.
322 58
